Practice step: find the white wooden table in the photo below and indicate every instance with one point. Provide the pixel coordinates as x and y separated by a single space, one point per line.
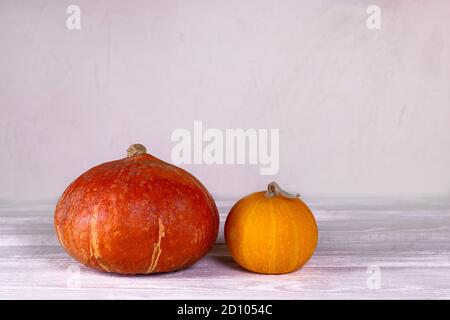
367 249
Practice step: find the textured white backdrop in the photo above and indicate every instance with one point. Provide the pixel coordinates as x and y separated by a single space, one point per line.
361 113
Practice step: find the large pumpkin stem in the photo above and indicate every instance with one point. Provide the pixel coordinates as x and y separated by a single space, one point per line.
273 189
135 150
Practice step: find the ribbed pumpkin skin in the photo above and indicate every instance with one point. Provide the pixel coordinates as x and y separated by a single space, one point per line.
137 215
273 236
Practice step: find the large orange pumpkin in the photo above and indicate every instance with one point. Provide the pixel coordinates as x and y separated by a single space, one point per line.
136 215
271 232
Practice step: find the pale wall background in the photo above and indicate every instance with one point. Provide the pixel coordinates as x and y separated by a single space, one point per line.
361 113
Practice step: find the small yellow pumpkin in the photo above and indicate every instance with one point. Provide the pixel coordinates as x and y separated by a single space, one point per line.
271 232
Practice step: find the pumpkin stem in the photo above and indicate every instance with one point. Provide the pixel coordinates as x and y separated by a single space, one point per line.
135 150
273 189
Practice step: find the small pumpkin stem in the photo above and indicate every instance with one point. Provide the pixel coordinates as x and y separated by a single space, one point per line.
273 189
135 150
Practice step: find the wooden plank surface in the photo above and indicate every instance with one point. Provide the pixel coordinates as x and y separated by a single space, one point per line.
367 249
